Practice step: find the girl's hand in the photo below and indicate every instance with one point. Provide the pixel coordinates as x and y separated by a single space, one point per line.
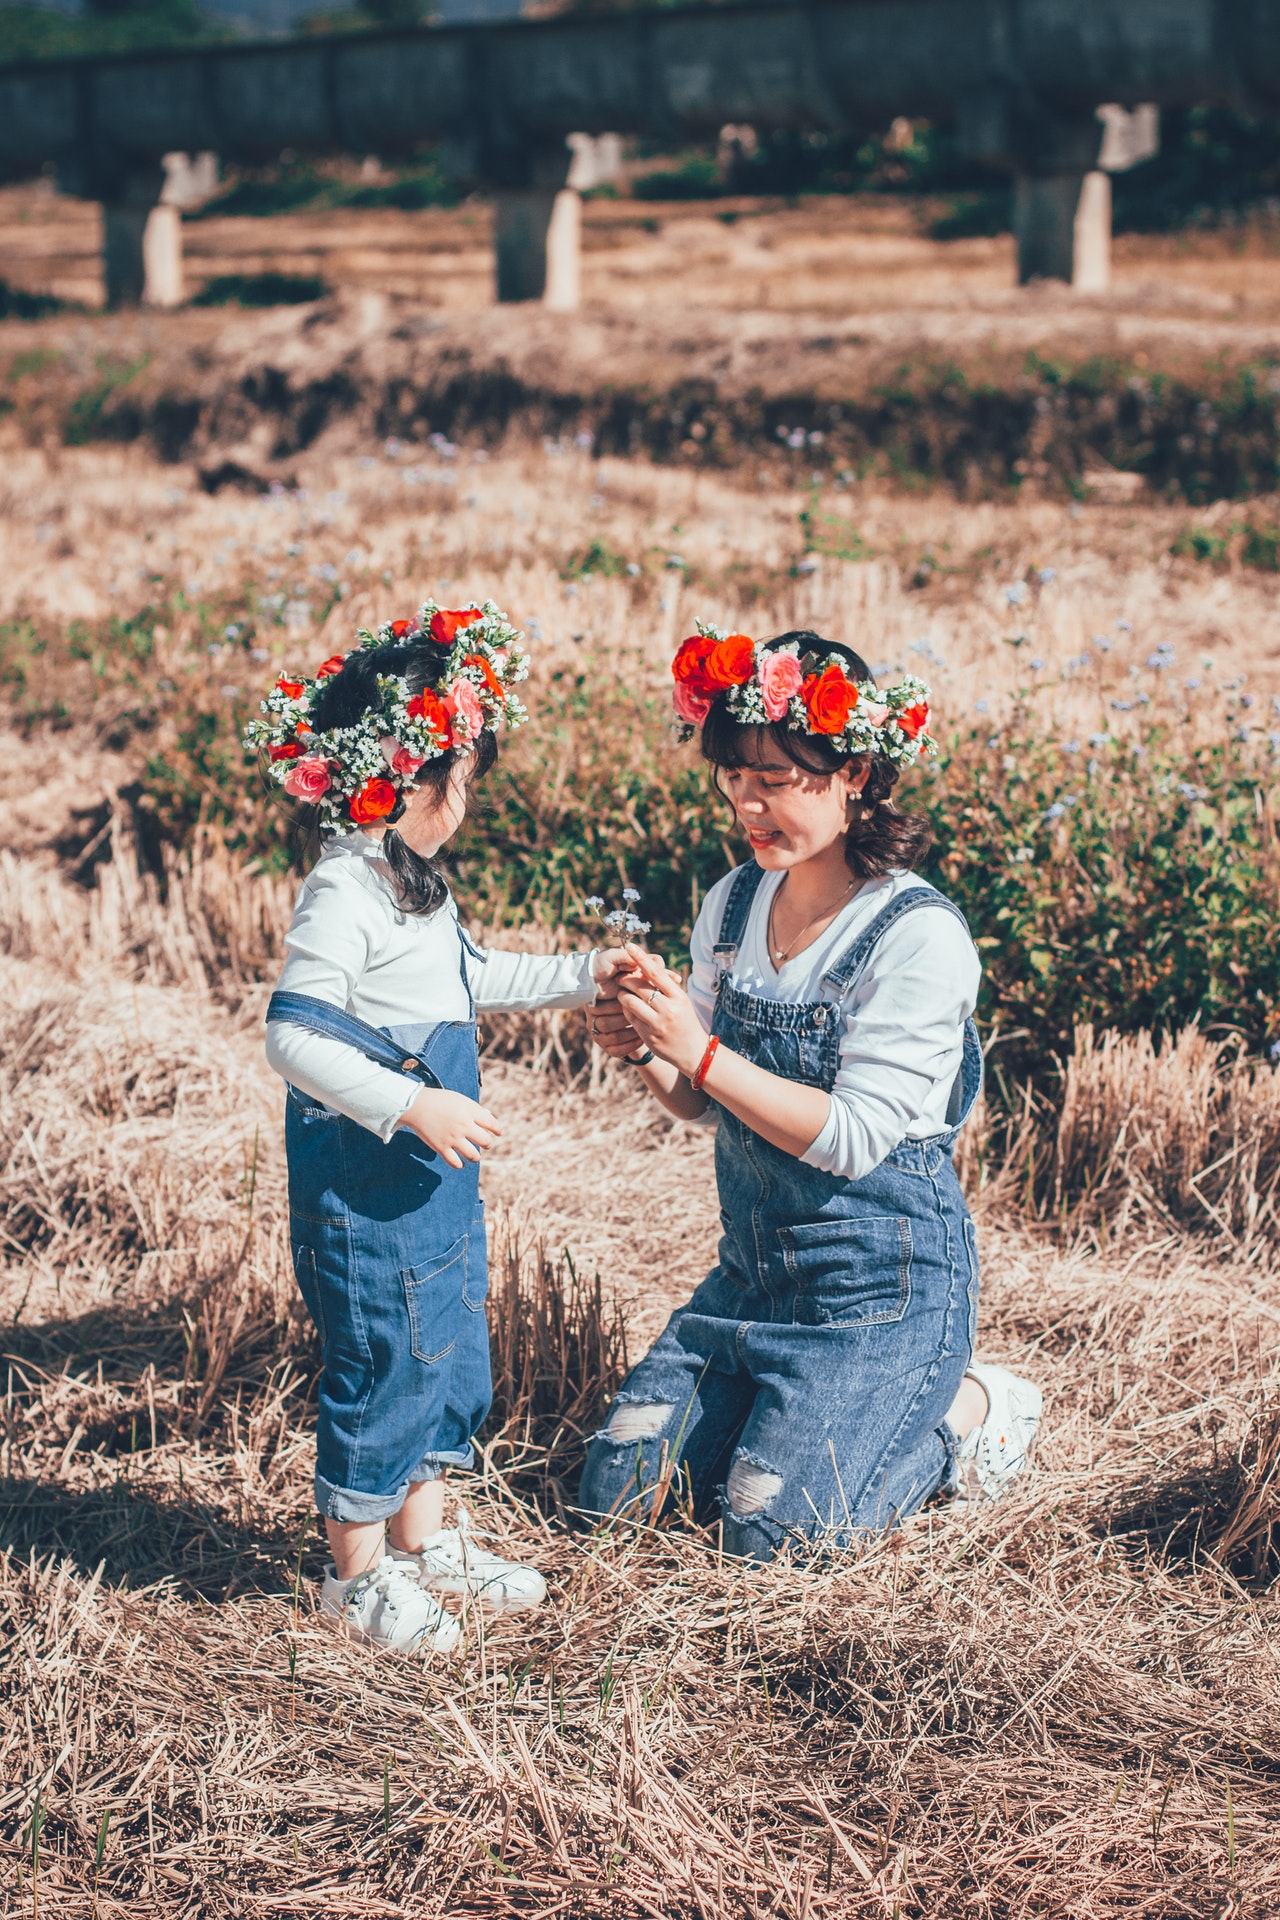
453 1126
607 963
611 1030
661 1013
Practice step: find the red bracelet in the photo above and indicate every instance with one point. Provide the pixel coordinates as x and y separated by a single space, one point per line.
704 1065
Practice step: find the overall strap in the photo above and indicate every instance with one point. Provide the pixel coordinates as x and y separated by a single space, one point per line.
321 1016
842 975
733 922
468 950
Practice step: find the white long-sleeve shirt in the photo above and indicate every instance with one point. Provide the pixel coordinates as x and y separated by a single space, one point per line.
903 1017
350 944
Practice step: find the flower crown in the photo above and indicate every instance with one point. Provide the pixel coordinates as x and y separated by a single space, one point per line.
356 775
811 692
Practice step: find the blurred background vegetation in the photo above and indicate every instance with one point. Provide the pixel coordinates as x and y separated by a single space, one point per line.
1128 879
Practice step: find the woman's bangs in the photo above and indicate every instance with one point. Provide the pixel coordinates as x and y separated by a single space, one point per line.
729 743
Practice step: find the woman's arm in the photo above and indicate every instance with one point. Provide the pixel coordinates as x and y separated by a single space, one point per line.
659 1011
612 1032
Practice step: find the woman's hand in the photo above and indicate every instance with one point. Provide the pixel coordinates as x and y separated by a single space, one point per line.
452 1125
660 1012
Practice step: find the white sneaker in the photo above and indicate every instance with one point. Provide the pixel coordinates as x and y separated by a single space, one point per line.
388 1606
995 1453
451 1562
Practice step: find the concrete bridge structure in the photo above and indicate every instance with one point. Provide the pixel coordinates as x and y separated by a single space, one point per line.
1021 80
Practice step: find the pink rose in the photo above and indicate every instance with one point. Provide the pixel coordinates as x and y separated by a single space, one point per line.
691 707
398 758
780 681
873 711
462 702
308 779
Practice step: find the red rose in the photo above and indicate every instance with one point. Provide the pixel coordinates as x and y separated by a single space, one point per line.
399 628
730 662
444 626
914 720
289 751
830 699
374 801
332 665
292 687
431 710
689 665
490 678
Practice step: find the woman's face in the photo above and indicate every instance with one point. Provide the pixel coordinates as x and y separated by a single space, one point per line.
787 813
430 819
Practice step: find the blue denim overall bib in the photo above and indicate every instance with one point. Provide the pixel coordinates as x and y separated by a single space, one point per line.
389 1253
813 1369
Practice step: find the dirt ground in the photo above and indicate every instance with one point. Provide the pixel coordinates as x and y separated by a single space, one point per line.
836 256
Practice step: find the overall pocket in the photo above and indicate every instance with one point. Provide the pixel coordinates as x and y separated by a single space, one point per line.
850 1273
433 1298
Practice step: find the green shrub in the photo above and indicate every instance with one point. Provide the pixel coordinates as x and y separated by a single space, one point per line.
1128 882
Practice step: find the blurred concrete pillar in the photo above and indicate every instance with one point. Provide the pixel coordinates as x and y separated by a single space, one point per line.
125 215
162 258
537 222
122 264
563 290
1091 250
521 219
1044 225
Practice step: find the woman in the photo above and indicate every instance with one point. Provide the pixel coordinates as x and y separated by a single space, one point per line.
823 1370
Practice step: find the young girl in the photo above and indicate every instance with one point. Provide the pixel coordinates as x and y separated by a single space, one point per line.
820 1376
373 1029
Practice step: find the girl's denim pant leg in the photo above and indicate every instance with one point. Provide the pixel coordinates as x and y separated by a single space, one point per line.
389 1253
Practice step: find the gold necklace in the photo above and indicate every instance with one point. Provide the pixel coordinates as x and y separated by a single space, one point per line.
781 955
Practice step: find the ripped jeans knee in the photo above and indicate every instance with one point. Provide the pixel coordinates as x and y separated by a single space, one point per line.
637 1420
750 1487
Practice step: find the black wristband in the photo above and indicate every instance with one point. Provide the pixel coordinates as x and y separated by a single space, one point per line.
644 1059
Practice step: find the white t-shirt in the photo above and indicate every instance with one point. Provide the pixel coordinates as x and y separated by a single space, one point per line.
350 944
904 1015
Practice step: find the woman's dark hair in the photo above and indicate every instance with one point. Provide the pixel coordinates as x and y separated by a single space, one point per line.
344 697
881 838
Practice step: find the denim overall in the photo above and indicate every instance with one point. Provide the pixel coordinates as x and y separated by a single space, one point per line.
389 1253
813 1369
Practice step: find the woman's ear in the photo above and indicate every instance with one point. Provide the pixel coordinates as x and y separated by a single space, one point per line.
855 774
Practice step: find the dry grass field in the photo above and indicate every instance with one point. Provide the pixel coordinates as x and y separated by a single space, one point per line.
1064 1705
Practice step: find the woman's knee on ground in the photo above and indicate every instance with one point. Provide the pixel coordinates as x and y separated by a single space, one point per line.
634 1421
751 1486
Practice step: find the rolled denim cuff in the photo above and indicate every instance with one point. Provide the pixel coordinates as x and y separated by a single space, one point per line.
349 1505
950 1481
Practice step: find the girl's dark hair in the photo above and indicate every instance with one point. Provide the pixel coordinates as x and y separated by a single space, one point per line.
344 697
881 839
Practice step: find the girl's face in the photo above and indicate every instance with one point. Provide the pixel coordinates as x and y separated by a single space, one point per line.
430 819
787 813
